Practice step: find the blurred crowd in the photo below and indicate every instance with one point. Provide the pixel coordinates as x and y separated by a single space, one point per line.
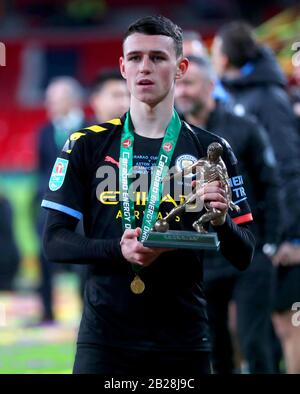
237 90
21 15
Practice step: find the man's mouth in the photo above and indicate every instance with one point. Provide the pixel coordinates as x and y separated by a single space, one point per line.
145 82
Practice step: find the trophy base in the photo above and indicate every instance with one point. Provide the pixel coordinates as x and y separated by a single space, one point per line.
183 240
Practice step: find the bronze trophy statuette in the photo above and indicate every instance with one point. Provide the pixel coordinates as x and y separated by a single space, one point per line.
212 168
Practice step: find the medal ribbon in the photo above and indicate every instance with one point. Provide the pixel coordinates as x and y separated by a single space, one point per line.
160 170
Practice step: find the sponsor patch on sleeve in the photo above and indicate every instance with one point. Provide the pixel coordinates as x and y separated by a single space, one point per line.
239 197
237 189
58 174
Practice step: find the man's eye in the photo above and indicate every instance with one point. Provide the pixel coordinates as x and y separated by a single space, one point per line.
157 58
134 58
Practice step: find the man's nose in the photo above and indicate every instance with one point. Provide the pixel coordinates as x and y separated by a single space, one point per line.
145 65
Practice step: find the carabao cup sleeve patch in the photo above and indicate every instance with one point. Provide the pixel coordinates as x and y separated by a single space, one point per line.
58 174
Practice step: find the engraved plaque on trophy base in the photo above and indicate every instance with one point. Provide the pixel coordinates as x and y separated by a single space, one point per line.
183 240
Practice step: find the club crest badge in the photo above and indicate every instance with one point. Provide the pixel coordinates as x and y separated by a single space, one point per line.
185 161
58 174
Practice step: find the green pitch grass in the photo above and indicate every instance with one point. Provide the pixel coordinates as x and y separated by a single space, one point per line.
42 358
29 348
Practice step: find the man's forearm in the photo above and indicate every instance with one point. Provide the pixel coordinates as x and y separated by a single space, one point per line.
237 243
61 244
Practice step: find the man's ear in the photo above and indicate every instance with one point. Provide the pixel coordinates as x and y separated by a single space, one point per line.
122 67
182 67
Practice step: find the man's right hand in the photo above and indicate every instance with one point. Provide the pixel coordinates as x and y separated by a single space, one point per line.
287 254
134 251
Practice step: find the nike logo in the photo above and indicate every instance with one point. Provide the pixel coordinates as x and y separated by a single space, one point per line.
110 159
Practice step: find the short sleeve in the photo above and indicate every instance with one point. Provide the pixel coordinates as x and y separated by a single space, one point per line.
67 184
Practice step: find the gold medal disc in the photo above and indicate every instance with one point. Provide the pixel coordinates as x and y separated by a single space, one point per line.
137 285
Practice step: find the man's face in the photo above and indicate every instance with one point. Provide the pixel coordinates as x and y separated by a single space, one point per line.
112 101
193 91
59 100
150 66
219 60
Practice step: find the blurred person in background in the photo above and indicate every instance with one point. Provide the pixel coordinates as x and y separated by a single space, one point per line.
288 254
251 289
193 44
295 98
110 96
295 90
287 261
251 74
63 102
9 254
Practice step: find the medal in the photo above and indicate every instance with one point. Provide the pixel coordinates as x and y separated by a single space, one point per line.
155 191
137 285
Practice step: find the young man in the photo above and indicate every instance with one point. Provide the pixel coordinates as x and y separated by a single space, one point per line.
144 310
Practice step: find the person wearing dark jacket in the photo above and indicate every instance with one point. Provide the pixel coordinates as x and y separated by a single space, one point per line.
63 102
9 257
252 76
251 290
